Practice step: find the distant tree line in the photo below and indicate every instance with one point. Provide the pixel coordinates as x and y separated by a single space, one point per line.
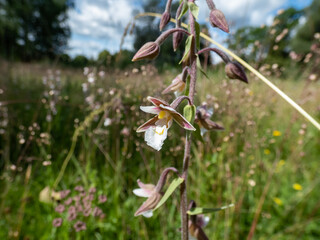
292 36
33 29
37 29
105 59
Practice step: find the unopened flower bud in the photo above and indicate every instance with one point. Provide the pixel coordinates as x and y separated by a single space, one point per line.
150 50
217 19
165 19
234 70
177 39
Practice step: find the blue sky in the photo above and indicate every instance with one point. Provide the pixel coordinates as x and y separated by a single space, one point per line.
99 24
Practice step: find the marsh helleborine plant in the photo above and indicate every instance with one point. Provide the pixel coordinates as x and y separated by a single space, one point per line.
156 128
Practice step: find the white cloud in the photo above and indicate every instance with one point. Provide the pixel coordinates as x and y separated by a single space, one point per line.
240 13
99 24
244 12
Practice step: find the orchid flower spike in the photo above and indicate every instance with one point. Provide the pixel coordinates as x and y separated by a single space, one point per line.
156 128
203 119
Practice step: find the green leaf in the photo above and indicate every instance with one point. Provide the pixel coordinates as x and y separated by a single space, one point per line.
197 133
197 28
187 86
187 48
199 210
189 112
200 67
183 11
174 184
194 9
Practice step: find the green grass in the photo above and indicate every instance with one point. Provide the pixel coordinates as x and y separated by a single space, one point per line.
245 164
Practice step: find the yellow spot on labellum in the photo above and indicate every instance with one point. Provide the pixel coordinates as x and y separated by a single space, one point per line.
160 133
162 114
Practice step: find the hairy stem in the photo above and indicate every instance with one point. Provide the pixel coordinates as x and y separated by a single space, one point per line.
167 33
221 54
183 190
163 177
186 158
178 100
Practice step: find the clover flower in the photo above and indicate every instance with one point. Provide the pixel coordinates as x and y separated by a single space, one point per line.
80 226
102 198
60 208
57 222
156 128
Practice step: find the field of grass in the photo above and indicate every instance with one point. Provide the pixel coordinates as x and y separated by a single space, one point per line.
265 162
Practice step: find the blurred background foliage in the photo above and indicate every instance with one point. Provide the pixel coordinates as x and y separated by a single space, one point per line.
266 162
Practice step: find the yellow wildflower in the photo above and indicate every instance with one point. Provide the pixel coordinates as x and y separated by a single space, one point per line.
276 133
266 151
278 201
281 163
297 187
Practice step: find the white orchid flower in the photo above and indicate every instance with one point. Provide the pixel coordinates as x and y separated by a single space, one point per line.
156 128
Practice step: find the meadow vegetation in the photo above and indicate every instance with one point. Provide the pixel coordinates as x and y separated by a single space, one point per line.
265 162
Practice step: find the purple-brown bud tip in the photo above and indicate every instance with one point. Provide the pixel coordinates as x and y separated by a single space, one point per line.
177 39
165 19
150 50
234 70
217 19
